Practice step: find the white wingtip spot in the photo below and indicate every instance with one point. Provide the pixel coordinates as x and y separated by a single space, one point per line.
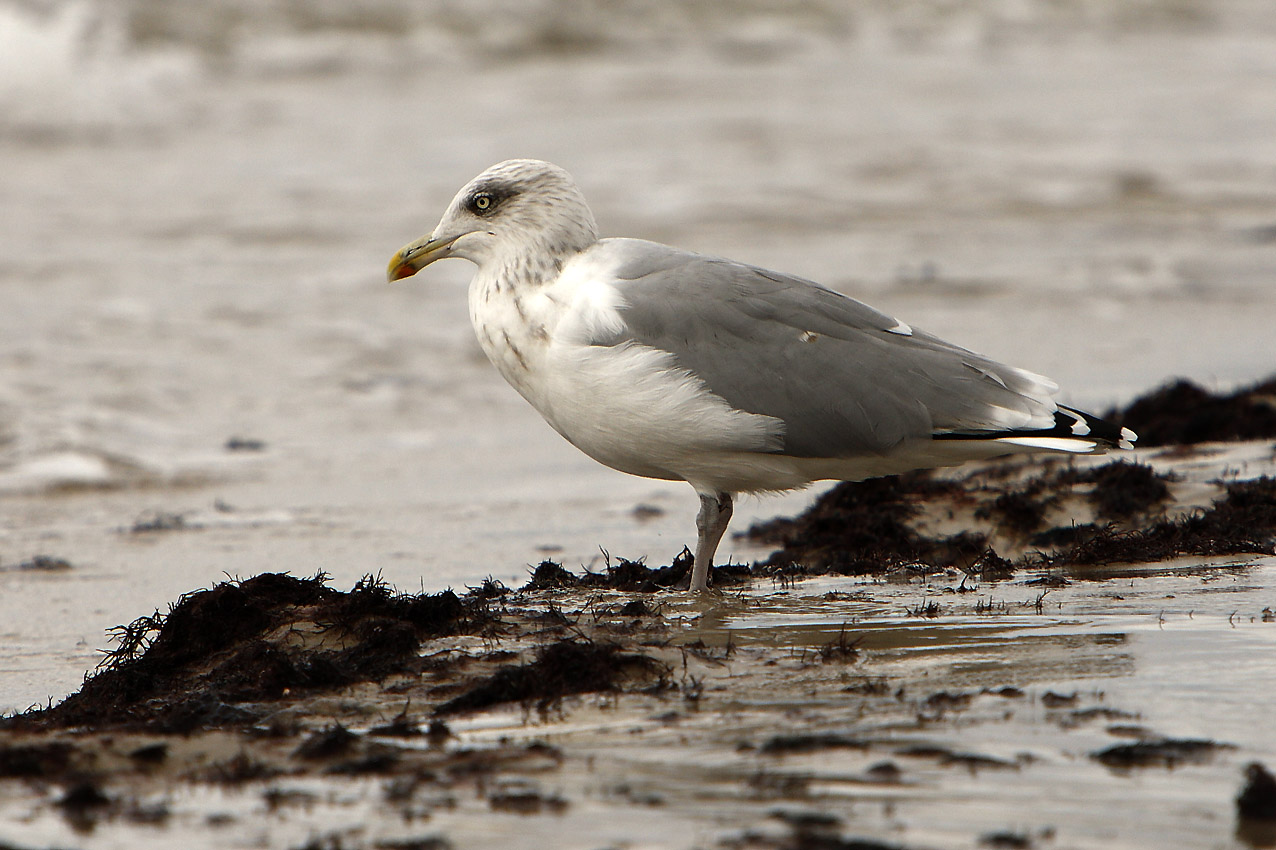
900 328
1128 439
1079 427
1054 444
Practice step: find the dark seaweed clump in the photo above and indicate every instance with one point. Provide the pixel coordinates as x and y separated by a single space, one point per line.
1182 413
1020 511
1243 521
560 669
861 527
219 652
1121 489
1257 800
804 742
35 759
1165 752
634 576
865 527
1120 492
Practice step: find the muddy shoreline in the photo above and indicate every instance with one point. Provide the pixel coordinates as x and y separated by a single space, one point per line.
825 721
917 652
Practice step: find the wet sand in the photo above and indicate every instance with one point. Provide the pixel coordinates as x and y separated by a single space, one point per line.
1035 700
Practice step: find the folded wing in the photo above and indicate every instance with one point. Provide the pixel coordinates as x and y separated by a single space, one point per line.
844 378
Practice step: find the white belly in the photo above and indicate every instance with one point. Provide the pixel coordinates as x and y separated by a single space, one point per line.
632 408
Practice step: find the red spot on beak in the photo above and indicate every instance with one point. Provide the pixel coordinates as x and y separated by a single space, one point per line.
401 271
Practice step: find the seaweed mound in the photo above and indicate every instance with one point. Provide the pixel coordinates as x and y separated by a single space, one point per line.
559 670
629 576
220 653
861 527
1182 413
1243 521
866 527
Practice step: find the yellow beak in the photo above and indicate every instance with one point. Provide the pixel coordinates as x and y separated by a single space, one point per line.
417 255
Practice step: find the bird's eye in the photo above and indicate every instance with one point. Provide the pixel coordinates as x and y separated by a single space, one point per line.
482 203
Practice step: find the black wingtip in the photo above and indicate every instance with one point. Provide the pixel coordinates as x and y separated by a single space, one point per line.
1069 424
1080 423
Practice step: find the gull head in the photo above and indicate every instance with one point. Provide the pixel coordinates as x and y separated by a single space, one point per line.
514 209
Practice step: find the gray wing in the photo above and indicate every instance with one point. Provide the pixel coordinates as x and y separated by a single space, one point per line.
844 378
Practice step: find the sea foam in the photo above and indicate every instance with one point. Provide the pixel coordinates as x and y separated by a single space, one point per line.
71 73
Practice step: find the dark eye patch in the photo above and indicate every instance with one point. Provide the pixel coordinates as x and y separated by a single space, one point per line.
486 199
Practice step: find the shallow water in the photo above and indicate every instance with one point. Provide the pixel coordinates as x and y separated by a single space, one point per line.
941 731
199 201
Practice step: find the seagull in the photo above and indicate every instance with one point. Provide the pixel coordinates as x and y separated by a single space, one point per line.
674 365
